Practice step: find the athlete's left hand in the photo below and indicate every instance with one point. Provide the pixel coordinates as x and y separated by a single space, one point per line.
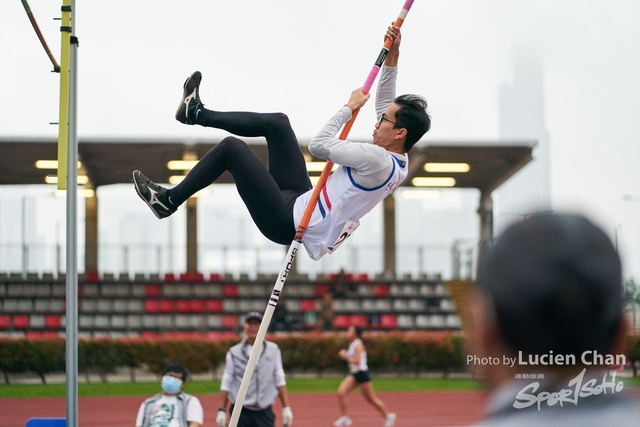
394 33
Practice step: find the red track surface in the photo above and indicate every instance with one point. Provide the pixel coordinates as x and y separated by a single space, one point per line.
309 409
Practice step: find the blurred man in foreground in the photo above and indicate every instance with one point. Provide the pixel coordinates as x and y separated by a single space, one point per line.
548 326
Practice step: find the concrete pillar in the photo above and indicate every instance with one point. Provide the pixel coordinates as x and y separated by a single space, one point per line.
192 234
192 219
389 230
485 212
91 233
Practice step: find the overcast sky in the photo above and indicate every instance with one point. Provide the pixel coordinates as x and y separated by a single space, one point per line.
304 58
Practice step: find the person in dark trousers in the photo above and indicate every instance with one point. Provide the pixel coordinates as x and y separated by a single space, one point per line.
547 311
267 382
171 407
276 196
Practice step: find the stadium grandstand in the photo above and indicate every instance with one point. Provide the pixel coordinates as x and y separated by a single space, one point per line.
193 303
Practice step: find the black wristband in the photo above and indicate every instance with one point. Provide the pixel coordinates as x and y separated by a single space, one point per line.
222 409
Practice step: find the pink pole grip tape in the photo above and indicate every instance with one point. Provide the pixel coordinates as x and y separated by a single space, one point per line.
370 79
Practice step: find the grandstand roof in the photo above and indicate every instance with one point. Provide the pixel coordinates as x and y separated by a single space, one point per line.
111 160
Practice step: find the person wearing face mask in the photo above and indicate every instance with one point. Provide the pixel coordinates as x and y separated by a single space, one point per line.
267 382
171 407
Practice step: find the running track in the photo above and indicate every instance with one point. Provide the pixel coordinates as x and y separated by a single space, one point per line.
455 408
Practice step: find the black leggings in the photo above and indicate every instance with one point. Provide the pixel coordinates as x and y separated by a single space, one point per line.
269 193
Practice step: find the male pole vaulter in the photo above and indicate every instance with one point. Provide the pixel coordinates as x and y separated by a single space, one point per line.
277 195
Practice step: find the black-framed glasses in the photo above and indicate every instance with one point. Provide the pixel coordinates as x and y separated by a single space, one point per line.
384 119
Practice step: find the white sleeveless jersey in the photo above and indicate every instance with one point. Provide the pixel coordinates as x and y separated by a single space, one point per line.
351 352
367 174
341 204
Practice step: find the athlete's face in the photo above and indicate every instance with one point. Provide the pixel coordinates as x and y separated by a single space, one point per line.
386 133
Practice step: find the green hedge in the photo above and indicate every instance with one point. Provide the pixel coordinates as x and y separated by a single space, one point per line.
633 353
403 353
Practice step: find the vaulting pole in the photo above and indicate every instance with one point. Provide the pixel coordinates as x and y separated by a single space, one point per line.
295 245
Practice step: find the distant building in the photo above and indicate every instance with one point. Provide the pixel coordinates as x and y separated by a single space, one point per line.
521 115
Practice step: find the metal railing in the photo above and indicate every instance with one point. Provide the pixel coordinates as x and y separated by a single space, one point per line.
455 260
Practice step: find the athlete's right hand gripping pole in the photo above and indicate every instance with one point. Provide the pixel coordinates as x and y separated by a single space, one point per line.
295 245
347 127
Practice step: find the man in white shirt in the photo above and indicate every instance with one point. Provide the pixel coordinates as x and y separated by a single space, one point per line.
267 382
277 196
171 407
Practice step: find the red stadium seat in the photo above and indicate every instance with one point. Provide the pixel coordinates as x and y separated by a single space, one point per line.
5 321
215 277
33 334
214 306
381 290
322 289
307 305
182 306
359 320
167 306
169 277
152 290
152 306
229 321
92 276
196 306
52 321
230 290
149 334
21 321
191 277
362 278
341 321
388 321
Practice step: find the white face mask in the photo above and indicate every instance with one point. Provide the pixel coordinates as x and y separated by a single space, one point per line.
170 384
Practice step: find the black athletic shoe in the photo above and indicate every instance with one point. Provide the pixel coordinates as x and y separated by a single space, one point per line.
190 103
153 195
